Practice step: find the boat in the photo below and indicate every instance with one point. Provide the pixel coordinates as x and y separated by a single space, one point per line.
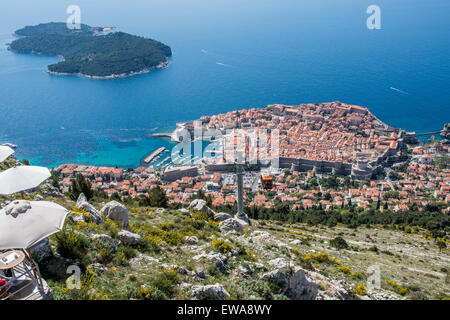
7 144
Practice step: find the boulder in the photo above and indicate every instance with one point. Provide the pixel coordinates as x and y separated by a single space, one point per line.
296 283
48 189
117 212
200 205
41 250
230 225
192 239
142 259
185 211
222 216
109 241
89 208
200 271
98 268
218 259
81 199
245 271
279 263
38 197
76 217
210 292
128 237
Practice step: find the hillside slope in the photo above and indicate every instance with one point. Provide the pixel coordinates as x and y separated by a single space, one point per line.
156 253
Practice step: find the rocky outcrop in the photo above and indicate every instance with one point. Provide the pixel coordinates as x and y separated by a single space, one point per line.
222 216
41 250
50 190
107 240
200 205
117 212
142 259
217 258
210 292
38 197
94 214
192 239
296 283
230 225
128 237
98 268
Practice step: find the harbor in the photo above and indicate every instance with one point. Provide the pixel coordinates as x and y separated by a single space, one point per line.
152 157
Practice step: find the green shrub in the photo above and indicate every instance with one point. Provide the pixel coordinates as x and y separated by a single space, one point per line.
71 245
339 243
221 245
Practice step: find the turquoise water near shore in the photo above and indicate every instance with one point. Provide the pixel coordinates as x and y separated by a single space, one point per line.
227 55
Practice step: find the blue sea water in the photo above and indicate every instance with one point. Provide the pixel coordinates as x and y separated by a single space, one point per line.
227 55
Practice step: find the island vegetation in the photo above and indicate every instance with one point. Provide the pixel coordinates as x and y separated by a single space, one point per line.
89 52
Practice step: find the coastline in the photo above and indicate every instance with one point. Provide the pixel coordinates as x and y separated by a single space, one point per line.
162 65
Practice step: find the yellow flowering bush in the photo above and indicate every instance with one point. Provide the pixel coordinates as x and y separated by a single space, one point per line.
360 290
400 290
145 292
250 254
321 257
345 269
221 245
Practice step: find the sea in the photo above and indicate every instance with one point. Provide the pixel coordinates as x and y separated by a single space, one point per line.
227 55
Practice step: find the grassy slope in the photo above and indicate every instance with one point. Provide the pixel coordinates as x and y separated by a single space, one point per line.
410 260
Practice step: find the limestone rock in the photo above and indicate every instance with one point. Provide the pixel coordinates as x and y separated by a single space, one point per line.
76 216
210 292
230 225
81 199
90 209
128 237
141 259
38 197
98 268
117 212
217 258
41 250
222 216
105 239
192 239
296 284
48 189
200 271
200 205
185 211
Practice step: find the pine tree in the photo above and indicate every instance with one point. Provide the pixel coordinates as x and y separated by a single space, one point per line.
80 185
158 198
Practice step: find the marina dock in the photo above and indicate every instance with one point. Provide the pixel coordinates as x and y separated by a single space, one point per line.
162 134
152 156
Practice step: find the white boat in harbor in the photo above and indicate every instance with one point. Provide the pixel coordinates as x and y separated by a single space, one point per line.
7 144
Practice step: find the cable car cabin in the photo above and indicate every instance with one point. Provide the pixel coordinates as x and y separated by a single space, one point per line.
266 182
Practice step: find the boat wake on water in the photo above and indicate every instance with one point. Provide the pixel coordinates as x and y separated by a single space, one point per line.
398 90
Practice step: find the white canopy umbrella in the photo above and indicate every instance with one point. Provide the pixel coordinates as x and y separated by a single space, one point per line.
21 178
5 152
24 223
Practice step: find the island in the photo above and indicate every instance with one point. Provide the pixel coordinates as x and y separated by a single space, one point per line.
93 52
